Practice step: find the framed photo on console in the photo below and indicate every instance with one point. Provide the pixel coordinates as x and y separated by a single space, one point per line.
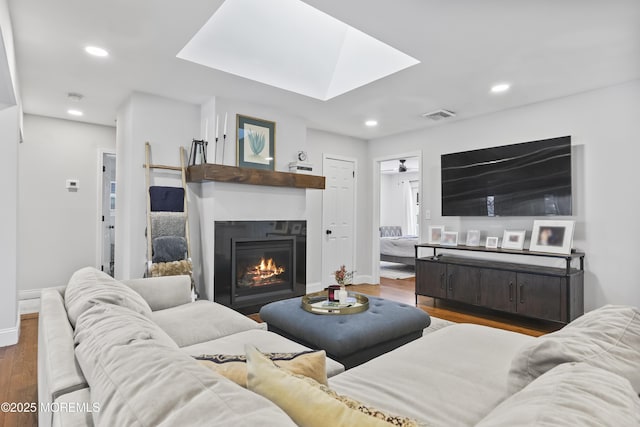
449 238
255 143
492 243
473 238
435 234
513 239
552 236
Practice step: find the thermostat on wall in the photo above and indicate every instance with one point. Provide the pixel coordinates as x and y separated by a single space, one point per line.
73 184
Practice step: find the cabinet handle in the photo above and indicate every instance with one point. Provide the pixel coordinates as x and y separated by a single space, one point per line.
522 293
510 291
451 283
442 281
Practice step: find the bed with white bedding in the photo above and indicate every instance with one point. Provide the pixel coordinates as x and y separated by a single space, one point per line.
394 247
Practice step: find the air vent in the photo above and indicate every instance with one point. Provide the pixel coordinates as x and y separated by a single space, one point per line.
439 115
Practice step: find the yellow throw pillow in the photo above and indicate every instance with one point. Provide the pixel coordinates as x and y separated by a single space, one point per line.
312 364
308 403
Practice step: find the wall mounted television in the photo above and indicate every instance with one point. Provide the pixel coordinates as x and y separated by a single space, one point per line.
526 179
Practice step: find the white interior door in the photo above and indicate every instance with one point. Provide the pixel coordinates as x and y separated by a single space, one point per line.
338 215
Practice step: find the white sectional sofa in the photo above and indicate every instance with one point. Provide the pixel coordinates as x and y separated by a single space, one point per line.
125 353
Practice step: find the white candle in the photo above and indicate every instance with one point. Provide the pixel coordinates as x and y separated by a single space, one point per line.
217 127
225 123
206 129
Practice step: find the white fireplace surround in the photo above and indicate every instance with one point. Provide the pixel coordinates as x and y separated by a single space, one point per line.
218 201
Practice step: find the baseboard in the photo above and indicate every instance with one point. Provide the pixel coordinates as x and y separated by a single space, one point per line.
10 336
358 280
314 287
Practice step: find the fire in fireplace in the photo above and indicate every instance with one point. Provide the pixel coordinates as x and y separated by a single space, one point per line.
262 274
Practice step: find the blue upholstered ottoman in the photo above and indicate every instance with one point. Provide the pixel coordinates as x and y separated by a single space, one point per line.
351 339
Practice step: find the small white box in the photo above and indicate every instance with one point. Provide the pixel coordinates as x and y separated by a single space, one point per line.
301 167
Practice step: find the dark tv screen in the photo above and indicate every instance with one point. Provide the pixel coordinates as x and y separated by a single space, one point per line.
526 179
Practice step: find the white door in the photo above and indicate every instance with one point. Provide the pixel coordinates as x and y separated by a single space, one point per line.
338 215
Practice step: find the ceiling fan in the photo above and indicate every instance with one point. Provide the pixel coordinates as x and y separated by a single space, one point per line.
389 167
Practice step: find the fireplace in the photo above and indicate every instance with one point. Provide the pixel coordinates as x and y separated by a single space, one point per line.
257 262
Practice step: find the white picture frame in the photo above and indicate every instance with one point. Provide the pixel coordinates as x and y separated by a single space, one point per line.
449 238
473 238
553 236
435 234
491 243
513 239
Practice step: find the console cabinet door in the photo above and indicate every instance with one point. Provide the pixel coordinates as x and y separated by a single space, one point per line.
463 284
498 289
430 279
543 297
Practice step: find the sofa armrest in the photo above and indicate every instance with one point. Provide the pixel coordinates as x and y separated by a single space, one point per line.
58 370
162 292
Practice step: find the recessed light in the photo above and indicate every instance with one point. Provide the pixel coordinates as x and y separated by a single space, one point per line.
502 87
371 123
77 113
96 51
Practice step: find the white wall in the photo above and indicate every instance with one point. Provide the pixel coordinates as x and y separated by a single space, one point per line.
604 130
57 227
392 197
167 125
9 137
319 143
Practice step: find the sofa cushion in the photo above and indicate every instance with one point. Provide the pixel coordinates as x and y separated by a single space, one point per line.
201 321
234 367
452 377
264 340
571 394
140 379
309 403
608 338
89 286
162 292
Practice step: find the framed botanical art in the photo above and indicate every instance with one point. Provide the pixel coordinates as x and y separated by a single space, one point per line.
513 239
552 236
473 238
255 142
435 234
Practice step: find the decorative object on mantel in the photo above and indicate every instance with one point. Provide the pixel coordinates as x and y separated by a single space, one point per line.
301 165
449 238
435 233
552 236
198 152
255 141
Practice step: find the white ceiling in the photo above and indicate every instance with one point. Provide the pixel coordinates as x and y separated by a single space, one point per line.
545 48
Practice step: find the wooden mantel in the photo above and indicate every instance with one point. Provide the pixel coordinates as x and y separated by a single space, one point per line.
223 173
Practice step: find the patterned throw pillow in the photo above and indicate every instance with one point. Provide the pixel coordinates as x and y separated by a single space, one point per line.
310 404
310 364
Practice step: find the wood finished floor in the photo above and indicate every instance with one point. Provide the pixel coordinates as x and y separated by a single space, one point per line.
18 363
18 373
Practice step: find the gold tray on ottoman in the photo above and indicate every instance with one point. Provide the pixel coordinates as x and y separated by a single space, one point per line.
318 303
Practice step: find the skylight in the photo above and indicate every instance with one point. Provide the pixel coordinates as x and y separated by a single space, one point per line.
293 46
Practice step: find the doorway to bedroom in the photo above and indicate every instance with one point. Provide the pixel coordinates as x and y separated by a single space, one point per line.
399 194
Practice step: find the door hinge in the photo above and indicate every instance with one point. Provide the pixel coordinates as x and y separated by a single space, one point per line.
104 168
102 218
102 268
353 173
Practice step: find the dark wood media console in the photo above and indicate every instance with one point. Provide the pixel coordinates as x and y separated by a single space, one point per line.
541 292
